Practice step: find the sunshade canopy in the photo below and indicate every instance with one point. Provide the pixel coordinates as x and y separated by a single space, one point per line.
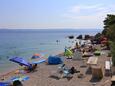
68 52
54 60
20 61
36 56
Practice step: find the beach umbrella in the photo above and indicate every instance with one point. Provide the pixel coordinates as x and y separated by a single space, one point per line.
37 59
68 52
20 61
36 56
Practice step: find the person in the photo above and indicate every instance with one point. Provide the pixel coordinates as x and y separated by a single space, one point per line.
17 83
34 66
29 68
61 68
57 41
83 51
63 65
69 72
72 70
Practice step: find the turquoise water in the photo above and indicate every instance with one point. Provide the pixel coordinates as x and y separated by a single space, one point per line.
25 43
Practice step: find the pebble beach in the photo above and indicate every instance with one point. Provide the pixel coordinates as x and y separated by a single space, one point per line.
43 73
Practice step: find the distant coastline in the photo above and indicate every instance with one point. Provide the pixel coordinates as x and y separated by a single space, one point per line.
52 30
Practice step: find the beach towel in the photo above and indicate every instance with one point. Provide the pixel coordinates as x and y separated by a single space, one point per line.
14 78
5 83
20 78
38 60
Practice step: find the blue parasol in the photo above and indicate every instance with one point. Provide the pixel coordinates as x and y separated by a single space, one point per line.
20 61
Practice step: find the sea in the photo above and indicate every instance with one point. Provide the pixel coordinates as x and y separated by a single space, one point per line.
26 42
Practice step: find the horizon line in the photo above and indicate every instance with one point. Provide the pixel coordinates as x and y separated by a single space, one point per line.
45 28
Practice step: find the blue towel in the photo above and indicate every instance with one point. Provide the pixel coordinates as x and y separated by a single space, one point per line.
38 62
20 78
5 83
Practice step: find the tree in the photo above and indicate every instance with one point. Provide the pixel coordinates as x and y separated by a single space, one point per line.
109 31
109 20
98 36
113 52
109 25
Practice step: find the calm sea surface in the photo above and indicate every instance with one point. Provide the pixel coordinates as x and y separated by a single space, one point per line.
25 43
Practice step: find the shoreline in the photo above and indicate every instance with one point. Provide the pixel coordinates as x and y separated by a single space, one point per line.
13 70
6 73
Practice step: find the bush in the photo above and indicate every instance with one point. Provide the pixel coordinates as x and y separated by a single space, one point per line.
109 54
113 52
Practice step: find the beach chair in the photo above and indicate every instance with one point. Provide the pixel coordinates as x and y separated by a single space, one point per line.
68 72
65 71
61 68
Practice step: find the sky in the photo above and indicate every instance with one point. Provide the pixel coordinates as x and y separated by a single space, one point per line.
54 14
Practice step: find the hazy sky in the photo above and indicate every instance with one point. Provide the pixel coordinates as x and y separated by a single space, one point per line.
28 14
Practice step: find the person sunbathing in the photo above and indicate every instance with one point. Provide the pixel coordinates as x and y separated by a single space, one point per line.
72 70
34 66
68 72
17 83
31 68
14 83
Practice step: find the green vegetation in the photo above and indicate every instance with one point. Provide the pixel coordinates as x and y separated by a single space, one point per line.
113 52
98 36
109 32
